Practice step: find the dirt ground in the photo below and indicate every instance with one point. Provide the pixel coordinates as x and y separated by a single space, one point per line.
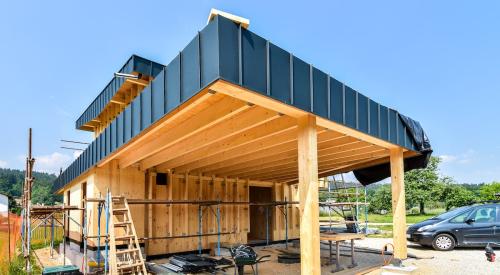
459 261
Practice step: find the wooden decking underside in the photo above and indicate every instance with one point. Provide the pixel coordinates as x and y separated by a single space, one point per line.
217 134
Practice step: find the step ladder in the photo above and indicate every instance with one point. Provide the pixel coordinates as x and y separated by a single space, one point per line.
127 260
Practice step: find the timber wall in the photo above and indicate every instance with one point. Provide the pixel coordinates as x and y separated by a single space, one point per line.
181 220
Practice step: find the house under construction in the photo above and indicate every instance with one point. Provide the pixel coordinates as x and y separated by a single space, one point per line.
232 123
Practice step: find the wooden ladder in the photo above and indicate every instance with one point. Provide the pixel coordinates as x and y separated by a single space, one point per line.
126 260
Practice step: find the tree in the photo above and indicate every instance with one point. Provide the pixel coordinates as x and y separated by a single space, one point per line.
11 182
381 198
421 185
455 195
490 191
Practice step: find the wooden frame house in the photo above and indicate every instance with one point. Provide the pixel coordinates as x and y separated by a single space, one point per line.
233 118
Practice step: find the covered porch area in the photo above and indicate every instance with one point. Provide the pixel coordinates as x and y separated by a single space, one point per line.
228 132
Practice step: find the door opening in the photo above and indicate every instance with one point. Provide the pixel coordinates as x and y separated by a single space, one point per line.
258 221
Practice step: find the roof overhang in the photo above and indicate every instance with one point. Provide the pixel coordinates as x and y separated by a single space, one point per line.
228 85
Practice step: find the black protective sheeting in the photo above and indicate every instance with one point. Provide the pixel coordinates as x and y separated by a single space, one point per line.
379 172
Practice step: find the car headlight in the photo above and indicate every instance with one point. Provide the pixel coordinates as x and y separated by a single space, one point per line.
424 228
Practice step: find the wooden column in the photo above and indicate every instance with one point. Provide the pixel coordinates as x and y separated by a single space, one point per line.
308 193
148 209
398 204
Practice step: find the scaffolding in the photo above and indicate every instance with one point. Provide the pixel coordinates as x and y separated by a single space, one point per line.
208 206
343 199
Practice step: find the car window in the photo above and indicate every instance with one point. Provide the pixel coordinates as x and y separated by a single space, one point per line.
452 213
484 214
460 218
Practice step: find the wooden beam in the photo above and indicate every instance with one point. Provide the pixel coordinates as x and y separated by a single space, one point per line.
354 133
279 163
310 257
225 108
271 149
237 91
233 126
139 82
274 129
398 204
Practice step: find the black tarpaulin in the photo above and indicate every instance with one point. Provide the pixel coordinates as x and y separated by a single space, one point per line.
379 172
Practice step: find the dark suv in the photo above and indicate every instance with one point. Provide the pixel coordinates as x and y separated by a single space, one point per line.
475 225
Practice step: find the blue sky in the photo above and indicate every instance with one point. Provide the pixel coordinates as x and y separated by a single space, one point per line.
436 61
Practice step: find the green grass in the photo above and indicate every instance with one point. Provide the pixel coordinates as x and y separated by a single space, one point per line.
378 218
386 230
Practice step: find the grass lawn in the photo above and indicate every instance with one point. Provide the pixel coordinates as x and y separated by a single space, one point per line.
386 230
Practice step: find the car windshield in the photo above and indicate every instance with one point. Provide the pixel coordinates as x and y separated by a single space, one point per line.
451 213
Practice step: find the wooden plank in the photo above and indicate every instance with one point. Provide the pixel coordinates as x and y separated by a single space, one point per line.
275 129
310 258
398 204
237 91
150 182
244 156
219 111
197 102
233 126
265 152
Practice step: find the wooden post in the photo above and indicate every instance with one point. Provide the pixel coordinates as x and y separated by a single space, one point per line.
308 193
398 204
148 209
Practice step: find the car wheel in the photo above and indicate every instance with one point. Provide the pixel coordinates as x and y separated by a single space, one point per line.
443 242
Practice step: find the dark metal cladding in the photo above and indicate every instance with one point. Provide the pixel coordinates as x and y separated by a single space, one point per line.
146 108
320 93
209 54
279 65
301 84
223 50
135 64
173 84
190 69
362 113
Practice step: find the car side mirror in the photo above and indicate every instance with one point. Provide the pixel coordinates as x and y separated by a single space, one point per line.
469 221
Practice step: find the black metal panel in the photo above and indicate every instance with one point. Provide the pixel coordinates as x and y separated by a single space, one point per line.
362 113
98 149
301 84
209 54
374 119
102 151
190 69
127 123
336 100
113 136
142 65
384 122
173 84
254 61
320 93
135 64
228 49
136 116
350 107
146 107
158 96
279 64
401 131
393 131
107 137
119 130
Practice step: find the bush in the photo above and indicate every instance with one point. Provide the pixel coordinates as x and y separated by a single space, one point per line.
415 211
